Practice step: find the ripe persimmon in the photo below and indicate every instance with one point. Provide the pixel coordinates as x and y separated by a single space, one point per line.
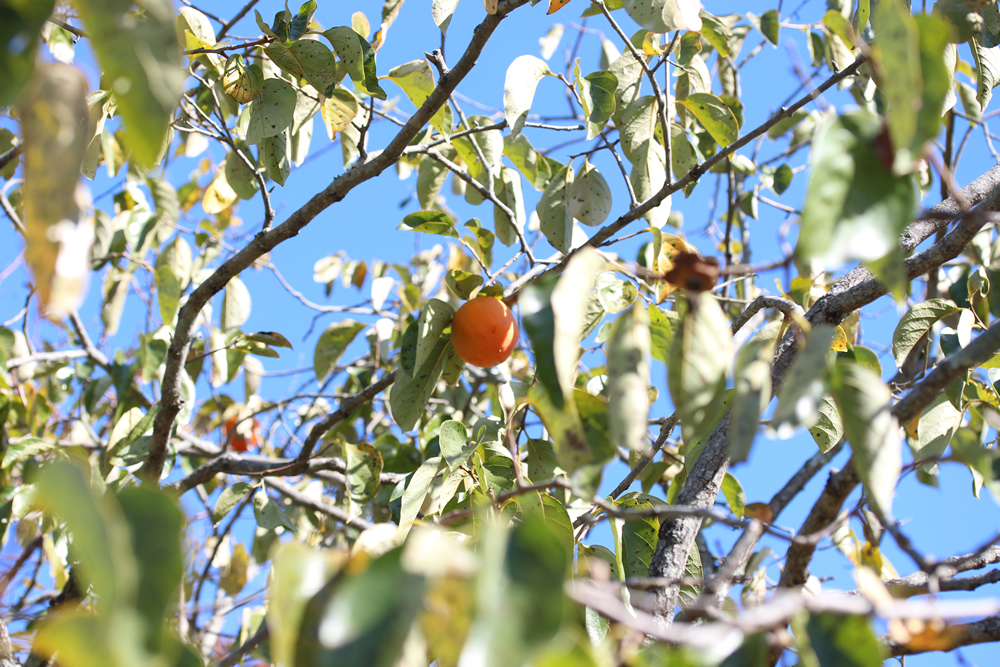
244 436
484 332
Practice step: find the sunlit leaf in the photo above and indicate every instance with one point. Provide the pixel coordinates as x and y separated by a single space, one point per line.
519 86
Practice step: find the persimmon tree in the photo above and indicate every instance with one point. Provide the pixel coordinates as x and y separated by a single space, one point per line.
399 506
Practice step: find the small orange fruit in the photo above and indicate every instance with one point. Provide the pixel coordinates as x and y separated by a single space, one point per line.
484 332
242 442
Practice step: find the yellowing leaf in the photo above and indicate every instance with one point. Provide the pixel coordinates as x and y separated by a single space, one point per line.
242 83
839 343
338 111
218 195
55 123
670 246
556 5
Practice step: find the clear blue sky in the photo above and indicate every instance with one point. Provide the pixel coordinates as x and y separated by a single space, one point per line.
945 521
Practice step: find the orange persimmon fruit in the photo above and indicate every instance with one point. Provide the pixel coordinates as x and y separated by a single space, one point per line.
239 441
484 332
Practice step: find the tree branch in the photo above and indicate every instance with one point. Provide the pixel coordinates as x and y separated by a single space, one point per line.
851 292
171 401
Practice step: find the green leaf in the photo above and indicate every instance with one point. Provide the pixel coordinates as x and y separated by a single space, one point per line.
300 22
782 178
863 400
753 652
298 573
661 330
317 64
430 222
19 452
937 426
127 431
770 24
270 338
536 566
639 126
915 324
271 112
142 60
508 190
433 320
154 524
331 345
628 379
589 196
828 431
22 24
852 196
987 70
537 168
716 32
455 445
840 26
639 536
597 93
417 81
276 157
805 384
843 640
358 57
363 469
462 283
409 395
733 491
235 305
372 608
909 57
699 356
168 293
176 255
683 157
752 391
269 514
665 15
229 499
519 86
442 11
554 216
431 175
416 489
714 116
99 537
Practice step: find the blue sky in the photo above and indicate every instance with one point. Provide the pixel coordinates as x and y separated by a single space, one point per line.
945 521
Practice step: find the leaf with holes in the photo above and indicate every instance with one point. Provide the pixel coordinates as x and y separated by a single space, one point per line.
276 158
917 323
590 196
272 111
714 115
358 57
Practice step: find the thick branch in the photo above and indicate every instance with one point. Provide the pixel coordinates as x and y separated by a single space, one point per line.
980 632
171 401
855 290
237 464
